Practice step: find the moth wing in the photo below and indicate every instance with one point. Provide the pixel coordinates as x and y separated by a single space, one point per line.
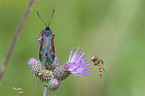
50 49
42 52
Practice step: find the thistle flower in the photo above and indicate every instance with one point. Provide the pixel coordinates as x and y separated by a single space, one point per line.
39 70
51 66
35 66
53 84
45 75
75 65
60 72
31 61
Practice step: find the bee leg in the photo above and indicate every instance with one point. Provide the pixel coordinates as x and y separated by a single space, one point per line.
94 67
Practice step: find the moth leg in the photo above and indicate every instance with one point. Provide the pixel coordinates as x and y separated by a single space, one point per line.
53 35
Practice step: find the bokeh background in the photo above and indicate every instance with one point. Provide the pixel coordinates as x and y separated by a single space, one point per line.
113 30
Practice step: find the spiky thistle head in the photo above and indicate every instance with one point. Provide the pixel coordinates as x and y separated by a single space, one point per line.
39 70
53 84
51 65
75 65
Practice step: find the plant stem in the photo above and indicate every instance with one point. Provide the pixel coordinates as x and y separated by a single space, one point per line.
46 92
15 38
36 79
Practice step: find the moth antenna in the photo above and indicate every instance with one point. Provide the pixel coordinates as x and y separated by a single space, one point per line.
41 18
51 17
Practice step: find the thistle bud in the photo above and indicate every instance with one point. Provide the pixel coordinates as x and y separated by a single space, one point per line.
36 66
51 66
53 84
60 72
45 75
39 70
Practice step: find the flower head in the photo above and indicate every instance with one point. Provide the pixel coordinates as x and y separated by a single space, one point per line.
76 64
39 70
51 65
31 61
56 82
53 84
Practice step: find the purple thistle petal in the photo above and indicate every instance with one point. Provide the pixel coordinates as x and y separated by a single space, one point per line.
56 83
70 55
76 64
74 56
31 61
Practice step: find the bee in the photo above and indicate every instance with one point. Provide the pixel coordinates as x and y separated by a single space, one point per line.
98 63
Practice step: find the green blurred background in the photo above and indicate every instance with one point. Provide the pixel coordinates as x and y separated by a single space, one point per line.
114 30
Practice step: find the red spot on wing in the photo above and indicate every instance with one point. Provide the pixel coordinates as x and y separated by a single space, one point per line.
40 52
52 52
43 36
52 44
51 36
43 46
50 47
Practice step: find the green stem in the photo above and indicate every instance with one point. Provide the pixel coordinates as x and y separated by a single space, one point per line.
36 86
46 92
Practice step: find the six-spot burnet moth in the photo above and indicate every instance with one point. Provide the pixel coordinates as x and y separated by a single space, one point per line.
47 44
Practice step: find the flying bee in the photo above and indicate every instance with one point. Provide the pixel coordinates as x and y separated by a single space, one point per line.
98 63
